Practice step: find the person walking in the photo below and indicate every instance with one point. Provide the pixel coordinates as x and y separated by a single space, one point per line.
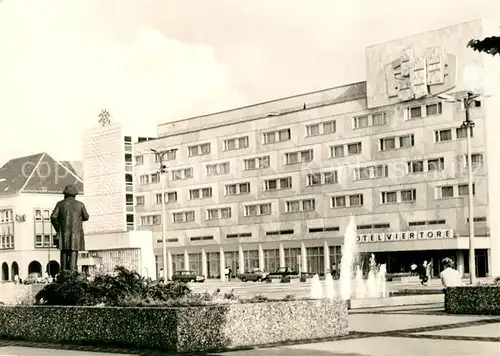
428 272
226 274
423 273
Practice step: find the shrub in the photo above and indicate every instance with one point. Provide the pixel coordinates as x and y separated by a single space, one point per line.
122 287
478 300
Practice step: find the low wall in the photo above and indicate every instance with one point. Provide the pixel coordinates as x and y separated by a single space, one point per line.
479 300
181 329
396 301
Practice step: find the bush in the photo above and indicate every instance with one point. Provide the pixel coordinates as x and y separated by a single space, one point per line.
479 300
119 288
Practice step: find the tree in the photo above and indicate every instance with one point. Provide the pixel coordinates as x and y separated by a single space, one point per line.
490 45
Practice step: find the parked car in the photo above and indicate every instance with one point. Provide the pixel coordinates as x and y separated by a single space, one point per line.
255 275
283 272
33 278
187 276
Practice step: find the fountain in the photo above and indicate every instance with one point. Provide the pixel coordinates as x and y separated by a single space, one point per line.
316 288
360 284
347 261
381 280
372 283
329 288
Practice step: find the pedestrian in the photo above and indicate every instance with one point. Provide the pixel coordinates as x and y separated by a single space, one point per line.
423 273
450 277
334 270
229 271
16 279
226 274
428 272
413 268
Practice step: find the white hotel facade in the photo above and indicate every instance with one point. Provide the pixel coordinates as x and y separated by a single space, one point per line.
274 184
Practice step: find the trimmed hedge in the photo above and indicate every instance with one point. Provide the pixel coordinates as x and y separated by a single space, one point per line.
478 300
181 329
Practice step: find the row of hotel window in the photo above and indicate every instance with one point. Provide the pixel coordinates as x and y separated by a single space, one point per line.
302 205
313 230
368 172
329 127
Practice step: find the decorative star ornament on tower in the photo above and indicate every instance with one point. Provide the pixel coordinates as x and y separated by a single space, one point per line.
104 117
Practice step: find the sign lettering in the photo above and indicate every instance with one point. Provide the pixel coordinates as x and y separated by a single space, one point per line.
405 236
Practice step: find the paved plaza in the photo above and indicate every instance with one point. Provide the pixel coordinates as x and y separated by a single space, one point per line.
388 331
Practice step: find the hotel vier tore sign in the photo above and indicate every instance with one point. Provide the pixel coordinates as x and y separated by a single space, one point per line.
406 236
416 76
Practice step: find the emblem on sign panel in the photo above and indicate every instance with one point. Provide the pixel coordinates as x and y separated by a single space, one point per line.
414 77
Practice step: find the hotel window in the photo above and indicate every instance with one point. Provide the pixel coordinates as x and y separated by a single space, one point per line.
238 188
434 109
183 216
323 128
442 135
413 112
371 172
277 184
144 179
416 167
322 178
277 136
217 169
463 190
391 143
38 214
200 238
236 143
139 200
369 120
201 193
361 121
313 230
299 157
348 149
139 160
216 214
477 160
344 201
180 174
279 232
388 143
257 163
150 220
300 205
435 164
406 141
258 209
155 178
409 195
379 119
171 197
199 150
389 197
447 192
462 133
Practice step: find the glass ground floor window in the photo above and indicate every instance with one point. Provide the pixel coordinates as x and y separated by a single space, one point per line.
232 261
251 259
195 263
315 260
292 258
271 260
335 258
213 264
178 262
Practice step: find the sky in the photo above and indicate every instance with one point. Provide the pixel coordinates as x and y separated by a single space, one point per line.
154 61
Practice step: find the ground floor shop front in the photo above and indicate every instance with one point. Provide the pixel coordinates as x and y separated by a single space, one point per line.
322 256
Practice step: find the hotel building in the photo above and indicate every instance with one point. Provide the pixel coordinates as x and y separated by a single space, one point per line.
111 237
274 184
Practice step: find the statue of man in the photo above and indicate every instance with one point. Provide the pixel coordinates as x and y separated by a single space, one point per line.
67 219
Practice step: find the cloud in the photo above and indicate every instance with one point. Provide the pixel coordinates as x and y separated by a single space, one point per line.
62 63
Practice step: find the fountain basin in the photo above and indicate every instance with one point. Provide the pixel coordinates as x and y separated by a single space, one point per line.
396 301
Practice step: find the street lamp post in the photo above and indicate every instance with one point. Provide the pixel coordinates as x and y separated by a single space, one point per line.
160 156
468 125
